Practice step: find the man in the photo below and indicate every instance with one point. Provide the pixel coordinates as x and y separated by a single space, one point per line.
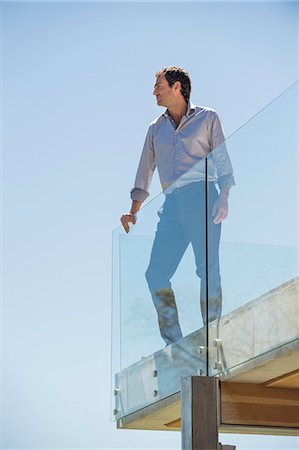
180 143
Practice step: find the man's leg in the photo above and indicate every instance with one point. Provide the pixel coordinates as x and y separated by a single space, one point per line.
168 248
212 277
197 229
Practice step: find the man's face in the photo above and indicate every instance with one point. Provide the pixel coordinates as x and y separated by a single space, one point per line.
164 94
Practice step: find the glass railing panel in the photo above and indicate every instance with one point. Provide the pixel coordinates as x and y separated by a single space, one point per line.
115 319
259 243
157 270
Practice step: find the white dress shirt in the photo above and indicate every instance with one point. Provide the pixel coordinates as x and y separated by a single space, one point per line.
179 152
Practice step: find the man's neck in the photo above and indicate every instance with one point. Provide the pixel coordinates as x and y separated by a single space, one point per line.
177 111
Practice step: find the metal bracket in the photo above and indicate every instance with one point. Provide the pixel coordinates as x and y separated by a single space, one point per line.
217 343
201 349
220 363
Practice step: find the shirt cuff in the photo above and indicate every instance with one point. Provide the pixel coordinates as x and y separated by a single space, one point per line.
139 194
226 181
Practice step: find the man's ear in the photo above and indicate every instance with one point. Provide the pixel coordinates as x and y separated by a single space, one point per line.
177 86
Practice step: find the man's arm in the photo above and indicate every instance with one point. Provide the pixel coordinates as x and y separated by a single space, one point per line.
224 170
143 180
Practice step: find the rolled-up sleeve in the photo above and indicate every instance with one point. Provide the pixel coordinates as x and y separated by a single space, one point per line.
220 155
146 168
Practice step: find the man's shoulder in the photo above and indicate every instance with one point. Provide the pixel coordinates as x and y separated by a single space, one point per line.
199 109
156 122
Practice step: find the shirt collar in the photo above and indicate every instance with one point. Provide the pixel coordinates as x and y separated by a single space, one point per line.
190 109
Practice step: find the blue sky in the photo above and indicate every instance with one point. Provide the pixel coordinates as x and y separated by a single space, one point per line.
77 98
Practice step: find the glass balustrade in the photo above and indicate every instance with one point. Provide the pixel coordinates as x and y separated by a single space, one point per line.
259 245
151 315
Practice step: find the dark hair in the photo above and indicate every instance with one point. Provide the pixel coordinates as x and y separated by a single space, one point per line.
173 74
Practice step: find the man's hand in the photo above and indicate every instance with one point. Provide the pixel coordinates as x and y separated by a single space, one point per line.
126 219
130 216
220 208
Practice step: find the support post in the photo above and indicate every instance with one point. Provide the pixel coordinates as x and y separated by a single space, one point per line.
199 413
200 409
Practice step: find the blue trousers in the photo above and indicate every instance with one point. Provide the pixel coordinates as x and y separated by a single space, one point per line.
183 221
